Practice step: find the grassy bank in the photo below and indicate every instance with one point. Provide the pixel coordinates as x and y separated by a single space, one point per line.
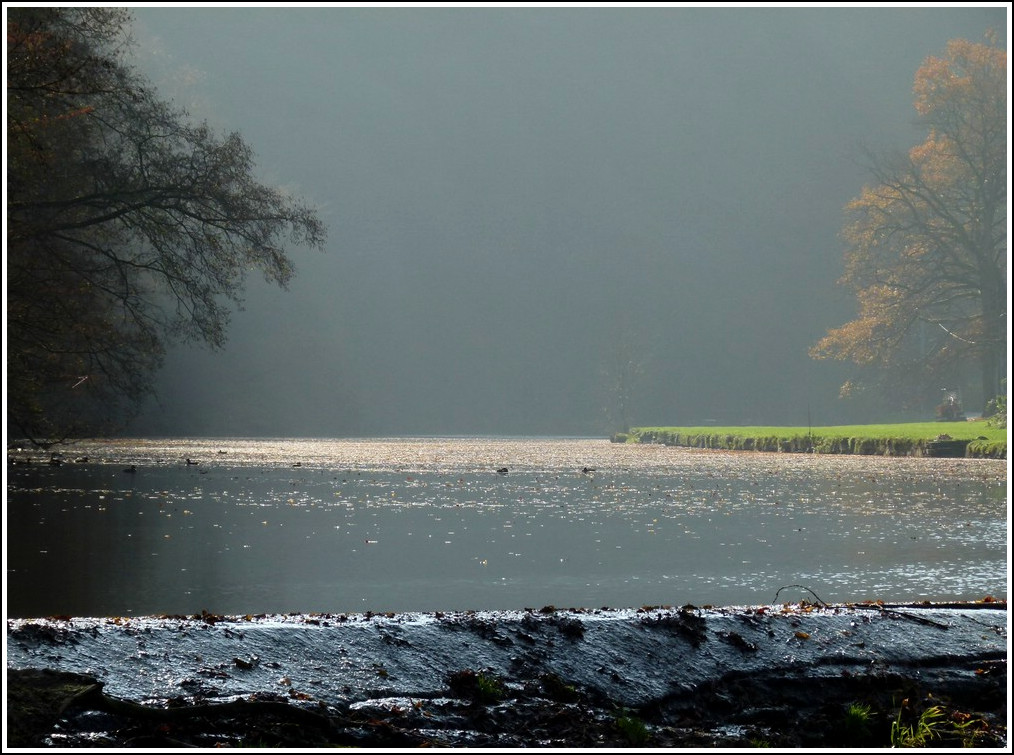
908 439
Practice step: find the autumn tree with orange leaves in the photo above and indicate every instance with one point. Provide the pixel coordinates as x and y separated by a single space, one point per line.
129 225
926 242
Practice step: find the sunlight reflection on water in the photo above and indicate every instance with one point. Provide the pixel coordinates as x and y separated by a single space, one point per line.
448 524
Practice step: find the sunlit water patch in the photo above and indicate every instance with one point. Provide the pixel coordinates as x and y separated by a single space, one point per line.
275 526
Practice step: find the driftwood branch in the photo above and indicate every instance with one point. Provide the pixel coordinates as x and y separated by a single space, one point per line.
801 587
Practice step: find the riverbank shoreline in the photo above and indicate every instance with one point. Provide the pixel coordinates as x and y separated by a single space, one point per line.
933 439
789 675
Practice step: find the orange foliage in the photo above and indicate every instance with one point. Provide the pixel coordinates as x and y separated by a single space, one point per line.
968 71
925 242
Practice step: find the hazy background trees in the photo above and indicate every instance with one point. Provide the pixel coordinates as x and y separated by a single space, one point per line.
926 243
129 225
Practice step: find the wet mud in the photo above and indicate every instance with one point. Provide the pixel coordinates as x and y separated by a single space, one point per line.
790 675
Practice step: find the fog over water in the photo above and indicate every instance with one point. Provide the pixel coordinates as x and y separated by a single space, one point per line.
521 198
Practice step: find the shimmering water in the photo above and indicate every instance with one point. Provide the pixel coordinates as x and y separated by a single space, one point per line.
291 525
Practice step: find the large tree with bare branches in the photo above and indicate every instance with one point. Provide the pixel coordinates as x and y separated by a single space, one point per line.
926 242
129 225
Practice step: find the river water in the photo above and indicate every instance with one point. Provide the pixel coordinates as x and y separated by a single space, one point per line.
444 524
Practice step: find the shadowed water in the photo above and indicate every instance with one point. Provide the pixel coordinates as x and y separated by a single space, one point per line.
277 526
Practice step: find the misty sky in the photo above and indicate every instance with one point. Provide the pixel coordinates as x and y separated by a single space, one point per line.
517 198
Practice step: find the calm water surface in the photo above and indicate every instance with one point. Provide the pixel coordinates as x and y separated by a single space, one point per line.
277 526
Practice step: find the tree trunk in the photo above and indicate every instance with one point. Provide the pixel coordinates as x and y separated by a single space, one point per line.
994 342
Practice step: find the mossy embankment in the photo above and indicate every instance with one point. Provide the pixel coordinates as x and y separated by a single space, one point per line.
972 439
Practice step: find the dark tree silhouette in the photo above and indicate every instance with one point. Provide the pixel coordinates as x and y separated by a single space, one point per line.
128 225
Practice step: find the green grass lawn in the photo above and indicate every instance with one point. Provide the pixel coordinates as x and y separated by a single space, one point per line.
900 439
917 430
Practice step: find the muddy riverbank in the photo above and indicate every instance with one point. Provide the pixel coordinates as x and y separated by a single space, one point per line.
789 675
